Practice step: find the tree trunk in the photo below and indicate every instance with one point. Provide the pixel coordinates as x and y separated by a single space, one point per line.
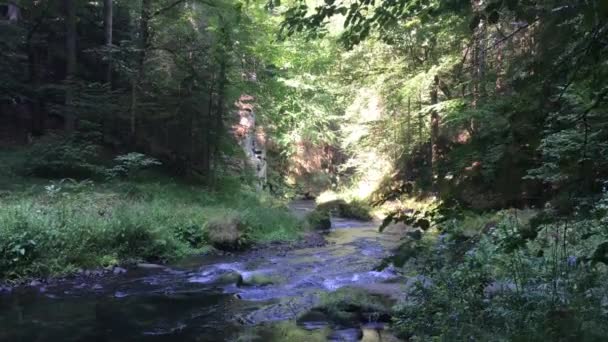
420 120
409 125
70 49
108 19
434 132
137 83
206 156
38 120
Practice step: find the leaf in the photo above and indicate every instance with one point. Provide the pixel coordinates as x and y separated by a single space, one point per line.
493 17
387 221
475 22
423 224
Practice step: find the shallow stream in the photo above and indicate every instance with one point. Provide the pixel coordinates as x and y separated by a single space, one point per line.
207 298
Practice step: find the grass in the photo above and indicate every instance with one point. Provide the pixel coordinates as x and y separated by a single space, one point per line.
57 227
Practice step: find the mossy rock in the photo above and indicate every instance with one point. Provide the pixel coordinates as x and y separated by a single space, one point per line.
229 278
354 209
332 205
352 306
227 232
259 280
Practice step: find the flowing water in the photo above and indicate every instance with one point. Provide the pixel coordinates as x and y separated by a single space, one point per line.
199 299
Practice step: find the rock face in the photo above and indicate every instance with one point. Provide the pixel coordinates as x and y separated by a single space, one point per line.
251 138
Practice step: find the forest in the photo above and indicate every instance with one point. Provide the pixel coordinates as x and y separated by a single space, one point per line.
303 170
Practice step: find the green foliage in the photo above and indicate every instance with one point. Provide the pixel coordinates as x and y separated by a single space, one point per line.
319 219
353 209
487 278
68 225
62 156
127 165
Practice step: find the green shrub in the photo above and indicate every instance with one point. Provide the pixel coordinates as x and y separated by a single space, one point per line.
489 279
128 165
57 156
354 209
65 225
319 219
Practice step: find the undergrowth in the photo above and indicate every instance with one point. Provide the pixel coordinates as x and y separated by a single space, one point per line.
64 225
509 275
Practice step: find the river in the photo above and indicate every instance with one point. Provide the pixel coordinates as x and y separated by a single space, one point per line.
209 298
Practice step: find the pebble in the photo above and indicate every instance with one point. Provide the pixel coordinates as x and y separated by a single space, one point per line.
120 294
150 266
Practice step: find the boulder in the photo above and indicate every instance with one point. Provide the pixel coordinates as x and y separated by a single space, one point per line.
227 232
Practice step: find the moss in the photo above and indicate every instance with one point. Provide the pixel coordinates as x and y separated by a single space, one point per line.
284 331
229 278
259 280
319 219
354 209
226 230
351 306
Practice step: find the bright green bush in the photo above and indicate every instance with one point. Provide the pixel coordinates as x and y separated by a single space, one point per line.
127 165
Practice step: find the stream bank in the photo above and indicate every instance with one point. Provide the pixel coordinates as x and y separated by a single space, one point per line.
240 296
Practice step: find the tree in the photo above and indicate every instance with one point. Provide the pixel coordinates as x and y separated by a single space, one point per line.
70 74
108 18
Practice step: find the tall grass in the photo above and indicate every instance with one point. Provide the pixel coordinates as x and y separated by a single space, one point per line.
63 226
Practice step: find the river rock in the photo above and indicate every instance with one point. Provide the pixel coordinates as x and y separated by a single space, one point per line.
229 278
35 283
371 335
227 233
118 270
150 266
259 280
